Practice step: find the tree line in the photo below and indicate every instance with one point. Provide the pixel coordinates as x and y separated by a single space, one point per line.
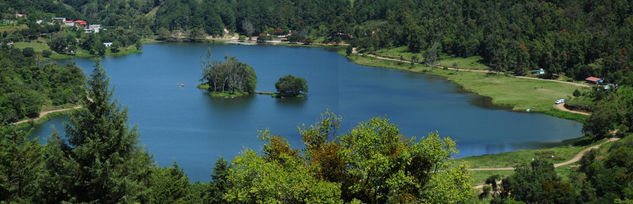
574 38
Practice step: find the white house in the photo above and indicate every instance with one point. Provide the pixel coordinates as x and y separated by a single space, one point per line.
58 19
540 71
107 44
69 23
95 28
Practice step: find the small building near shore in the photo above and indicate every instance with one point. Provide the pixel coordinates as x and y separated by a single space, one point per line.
593 80
540 71
69 23
107 44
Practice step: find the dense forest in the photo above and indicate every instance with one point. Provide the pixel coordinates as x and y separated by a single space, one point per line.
25 86
574 38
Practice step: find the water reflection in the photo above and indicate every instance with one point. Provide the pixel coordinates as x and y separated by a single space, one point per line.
238 103
295 102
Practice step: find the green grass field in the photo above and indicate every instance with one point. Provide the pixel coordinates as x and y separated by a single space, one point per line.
445 61
510 159
37 46
473 62
519 94
12 27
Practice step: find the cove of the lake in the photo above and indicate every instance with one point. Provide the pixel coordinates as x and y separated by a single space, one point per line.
185 125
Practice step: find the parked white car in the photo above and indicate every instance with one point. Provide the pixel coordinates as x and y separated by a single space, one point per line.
559 101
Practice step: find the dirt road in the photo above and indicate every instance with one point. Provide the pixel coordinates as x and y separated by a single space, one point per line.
44 113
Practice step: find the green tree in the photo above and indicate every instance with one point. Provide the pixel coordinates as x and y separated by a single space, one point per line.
537 183
63 43
114 48
388 167
28 52
163 34
19 165
219 183
196 34
255 179
99 159
230 76
46 53
168 185
290 86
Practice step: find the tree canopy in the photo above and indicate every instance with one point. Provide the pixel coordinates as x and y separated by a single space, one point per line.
230 76
291 86
98 160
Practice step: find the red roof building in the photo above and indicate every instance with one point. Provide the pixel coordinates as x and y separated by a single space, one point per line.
81 23
594 80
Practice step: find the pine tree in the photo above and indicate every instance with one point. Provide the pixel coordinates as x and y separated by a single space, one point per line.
99 159
19 161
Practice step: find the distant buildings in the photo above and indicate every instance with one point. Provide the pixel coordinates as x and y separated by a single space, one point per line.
107 44
20 15
58 19
540 71
92 28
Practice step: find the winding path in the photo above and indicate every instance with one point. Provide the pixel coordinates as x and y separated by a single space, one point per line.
561 106
574 159
44 113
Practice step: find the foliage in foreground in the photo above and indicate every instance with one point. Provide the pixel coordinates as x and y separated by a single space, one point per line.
98 160
372 163
597 180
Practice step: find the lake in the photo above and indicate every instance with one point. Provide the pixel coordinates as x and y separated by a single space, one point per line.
186 125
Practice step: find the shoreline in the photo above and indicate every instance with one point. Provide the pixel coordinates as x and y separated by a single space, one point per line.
447 73
403 67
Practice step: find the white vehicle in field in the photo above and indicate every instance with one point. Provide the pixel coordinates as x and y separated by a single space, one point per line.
559 101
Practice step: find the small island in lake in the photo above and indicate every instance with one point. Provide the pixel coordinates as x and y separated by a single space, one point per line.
291 86
228 79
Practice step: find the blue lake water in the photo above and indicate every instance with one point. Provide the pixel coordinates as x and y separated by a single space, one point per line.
188 126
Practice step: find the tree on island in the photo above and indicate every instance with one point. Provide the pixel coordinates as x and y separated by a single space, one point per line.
229 77
290 86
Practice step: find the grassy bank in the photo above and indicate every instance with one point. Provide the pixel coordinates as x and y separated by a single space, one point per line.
510 159
86 54
554 155
519 94
473 62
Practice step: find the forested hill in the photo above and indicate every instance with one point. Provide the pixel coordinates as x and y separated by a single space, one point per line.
576 38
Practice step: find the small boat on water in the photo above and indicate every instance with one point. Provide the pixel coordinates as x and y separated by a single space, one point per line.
180 85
